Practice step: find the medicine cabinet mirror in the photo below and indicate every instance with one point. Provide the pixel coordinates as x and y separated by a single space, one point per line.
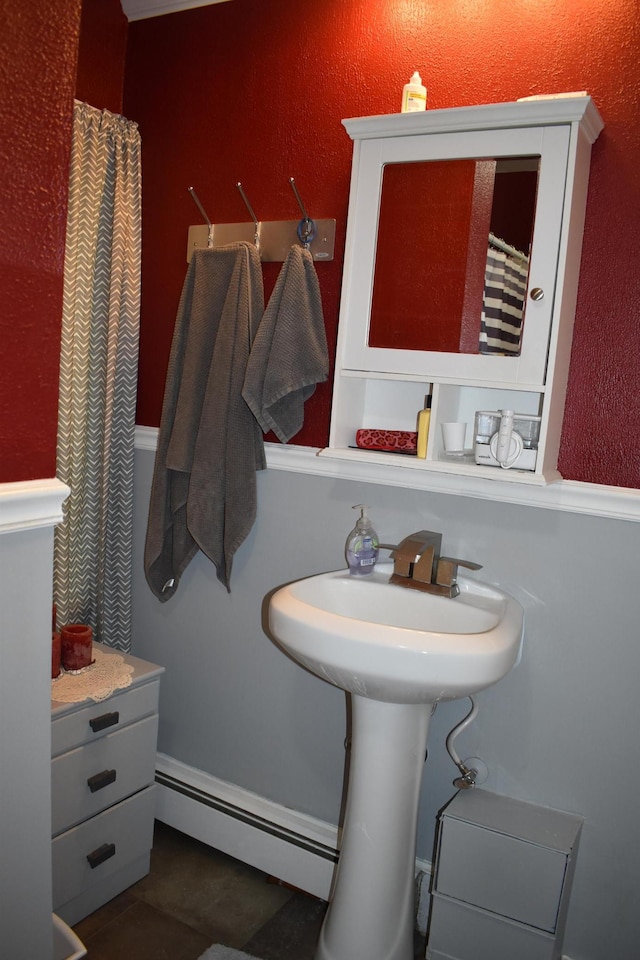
448 209
444 226
378 160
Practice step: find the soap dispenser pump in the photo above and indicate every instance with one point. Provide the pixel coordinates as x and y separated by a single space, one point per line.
361 548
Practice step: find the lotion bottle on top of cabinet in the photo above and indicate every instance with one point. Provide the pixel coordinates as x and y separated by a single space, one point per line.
361 548
414 95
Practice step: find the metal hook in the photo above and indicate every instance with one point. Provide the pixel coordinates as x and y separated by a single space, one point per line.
306 228
202 210
298 198
251 213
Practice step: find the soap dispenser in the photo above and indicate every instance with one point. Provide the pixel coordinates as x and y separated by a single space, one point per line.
361 548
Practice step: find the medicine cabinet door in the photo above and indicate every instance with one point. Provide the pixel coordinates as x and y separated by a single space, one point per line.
543 147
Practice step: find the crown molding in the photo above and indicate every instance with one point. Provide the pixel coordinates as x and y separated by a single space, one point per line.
143 9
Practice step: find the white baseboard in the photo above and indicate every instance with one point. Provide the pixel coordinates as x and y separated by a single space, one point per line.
292 846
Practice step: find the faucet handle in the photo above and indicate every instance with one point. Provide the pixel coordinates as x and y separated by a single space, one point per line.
407 553
447 570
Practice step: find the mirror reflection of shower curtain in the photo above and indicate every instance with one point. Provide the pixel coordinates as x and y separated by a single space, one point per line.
503 303
98 376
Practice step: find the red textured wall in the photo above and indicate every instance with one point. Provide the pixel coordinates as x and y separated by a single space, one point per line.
101 57
255 92
37 81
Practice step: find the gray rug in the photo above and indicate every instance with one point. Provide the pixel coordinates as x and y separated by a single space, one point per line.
219 952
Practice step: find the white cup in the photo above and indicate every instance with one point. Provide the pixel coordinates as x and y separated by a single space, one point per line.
453 435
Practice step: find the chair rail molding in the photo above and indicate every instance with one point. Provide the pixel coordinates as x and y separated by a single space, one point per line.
27 504
572 496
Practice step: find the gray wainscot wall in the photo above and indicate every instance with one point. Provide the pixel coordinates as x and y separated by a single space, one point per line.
561 730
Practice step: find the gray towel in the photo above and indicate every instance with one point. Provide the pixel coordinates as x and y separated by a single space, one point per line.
289 355
203 494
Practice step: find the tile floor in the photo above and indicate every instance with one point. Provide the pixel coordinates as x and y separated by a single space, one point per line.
195 896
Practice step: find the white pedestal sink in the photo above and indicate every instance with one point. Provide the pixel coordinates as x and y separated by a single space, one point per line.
397 652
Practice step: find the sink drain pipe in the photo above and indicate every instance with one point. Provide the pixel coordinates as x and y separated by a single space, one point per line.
471 775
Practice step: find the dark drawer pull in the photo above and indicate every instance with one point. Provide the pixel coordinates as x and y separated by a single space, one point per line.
100 780
106 720
100 854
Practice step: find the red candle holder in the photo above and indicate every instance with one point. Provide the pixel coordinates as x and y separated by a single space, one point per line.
56 652
76 646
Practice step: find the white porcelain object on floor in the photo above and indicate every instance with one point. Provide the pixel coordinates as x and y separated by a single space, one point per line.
397 651
66 945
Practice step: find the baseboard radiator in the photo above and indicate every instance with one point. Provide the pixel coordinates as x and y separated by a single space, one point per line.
291 846
294 847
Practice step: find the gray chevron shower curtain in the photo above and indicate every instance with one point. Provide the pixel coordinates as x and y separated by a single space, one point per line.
98 375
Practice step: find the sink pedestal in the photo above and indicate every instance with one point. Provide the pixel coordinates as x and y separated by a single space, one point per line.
371 913
396 651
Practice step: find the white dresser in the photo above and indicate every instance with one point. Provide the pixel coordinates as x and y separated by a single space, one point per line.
102 789
502 879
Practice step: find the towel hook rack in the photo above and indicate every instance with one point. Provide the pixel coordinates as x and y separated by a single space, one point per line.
273 238
202 210
251 213
306 227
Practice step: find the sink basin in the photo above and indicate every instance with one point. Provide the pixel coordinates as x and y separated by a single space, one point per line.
385 642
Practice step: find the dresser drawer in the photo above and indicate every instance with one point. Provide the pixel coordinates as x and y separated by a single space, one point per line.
109 841
90 778
460 932
506 875
97 720
509 857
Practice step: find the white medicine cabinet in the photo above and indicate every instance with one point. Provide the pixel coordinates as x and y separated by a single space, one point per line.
490 174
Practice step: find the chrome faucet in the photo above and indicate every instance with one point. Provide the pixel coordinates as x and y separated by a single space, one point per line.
417 564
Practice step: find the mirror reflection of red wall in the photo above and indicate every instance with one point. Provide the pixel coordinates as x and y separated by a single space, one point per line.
431 255
514 205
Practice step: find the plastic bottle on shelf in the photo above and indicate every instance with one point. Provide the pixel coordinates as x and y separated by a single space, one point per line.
424 421
414 95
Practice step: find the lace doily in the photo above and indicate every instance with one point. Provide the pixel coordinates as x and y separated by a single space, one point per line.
98 681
